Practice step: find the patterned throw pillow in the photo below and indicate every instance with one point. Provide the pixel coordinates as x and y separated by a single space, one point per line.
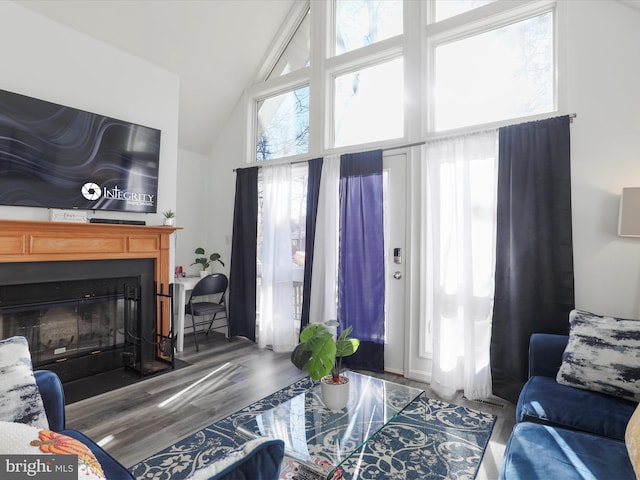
20 399
20 439
603 355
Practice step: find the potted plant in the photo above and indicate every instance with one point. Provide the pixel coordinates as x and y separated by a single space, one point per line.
169 217
320 353
205 260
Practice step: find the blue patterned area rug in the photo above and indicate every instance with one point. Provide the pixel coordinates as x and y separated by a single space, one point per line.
429 440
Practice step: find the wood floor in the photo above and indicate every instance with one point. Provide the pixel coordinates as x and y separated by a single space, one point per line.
133 422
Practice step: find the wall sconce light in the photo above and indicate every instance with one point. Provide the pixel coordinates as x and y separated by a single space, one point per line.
629 219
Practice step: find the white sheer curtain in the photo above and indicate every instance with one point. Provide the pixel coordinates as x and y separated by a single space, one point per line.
276 326
324 279
461 178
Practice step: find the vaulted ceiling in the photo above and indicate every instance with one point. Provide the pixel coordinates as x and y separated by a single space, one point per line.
214 46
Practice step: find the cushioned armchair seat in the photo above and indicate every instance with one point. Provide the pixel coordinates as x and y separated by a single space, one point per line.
541 452
53 398
545 401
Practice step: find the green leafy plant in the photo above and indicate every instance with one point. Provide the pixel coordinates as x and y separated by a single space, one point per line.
169 214
205 260
319 354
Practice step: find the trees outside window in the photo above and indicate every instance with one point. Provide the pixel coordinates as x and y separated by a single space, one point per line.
378 73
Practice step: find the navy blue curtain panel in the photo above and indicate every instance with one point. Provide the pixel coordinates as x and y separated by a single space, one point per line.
361 263
534 289
313 192
242 279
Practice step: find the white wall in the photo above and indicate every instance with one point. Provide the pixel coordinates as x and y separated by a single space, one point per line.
603 88
206 194
43 59
228 154
193 211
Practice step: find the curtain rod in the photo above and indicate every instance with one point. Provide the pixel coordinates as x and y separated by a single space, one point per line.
408 145
495 126
292 162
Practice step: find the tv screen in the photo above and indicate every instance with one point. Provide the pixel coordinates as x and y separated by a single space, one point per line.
60 157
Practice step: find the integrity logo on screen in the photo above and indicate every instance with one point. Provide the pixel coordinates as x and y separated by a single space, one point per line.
93 192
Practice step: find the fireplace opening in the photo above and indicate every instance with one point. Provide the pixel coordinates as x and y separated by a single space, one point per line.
68 319
85 317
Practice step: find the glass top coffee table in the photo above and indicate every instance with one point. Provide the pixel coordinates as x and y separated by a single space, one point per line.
322 439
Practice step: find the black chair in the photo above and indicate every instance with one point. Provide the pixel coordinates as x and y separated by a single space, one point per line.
215 284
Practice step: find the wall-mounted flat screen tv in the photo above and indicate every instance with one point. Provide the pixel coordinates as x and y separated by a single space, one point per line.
60 157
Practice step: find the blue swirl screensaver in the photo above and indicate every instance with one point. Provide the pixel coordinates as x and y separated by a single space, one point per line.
60 157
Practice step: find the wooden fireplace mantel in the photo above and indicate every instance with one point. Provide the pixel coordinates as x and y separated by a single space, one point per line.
36 241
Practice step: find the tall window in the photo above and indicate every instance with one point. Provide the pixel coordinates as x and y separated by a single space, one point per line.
360 23
499 74
381 73
297 54
283 125
450 8
369 104
385 73
291 266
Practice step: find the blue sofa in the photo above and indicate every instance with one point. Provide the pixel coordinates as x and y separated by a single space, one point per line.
260 461
564 432
53 398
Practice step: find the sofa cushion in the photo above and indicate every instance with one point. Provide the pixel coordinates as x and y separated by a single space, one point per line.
542 452
602 355
543 400
21 439
258 459
545 354
20 399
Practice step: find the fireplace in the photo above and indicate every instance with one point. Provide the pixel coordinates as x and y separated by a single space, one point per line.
80 317
88 297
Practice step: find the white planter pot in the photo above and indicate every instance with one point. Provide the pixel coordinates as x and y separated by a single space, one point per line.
204 273
169 222
335 396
